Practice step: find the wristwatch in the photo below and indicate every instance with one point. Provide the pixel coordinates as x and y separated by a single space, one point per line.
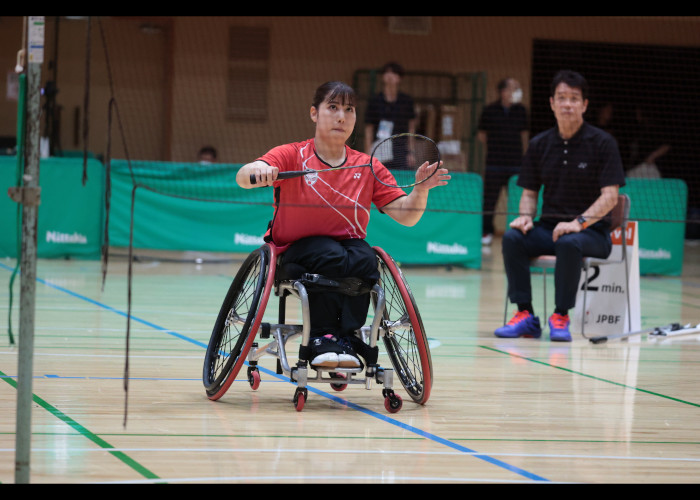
582 220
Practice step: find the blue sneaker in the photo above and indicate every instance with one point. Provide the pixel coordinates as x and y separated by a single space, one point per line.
559 328
523 324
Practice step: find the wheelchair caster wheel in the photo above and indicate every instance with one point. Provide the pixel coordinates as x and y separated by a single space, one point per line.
393 403
299 399
254 378
338 387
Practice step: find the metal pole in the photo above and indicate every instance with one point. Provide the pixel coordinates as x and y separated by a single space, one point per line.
28 196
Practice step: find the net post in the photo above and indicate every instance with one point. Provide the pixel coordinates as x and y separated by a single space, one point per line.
28 196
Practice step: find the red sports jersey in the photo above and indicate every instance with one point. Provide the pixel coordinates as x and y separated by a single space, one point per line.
335 204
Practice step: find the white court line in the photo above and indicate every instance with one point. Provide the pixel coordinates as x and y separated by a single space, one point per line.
119 356
387 479
356 452
106 329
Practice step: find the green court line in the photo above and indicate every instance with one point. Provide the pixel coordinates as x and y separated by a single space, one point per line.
86 433
652 393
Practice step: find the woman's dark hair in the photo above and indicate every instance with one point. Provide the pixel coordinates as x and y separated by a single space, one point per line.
502 84
334 90
572 79
394 67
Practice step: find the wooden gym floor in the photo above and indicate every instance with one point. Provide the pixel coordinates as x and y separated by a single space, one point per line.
501 411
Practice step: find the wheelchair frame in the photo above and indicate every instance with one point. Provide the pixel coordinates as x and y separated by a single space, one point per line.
239 322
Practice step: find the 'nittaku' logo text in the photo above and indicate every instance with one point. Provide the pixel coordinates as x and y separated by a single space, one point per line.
442 248
58 237
247 239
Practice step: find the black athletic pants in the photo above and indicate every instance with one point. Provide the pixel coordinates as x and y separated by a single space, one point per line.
335 313
519 248
495 178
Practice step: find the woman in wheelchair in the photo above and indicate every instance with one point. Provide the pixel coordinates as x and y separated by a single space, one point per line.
321 219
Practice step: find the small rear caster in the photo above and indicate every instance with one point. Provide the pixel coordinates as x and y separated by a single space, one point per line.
253 378
339 387
299 399
392 401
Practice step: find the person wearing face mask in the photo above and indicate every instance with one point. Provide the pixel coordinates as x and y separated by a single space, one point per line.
503 129
207 155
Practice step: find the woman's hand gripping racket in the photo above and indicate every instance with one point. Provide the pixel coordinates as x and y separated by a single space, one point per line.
410 159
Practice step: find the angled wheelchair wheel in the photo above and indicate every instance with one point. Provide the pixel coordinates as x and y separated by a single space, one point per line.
238 322
404 338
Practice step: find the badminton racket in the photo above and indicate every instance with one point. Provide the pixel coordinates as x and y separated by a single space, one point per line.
410 158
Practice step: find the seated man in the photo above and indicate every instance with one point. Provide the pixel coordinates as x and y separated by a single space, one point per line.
580 168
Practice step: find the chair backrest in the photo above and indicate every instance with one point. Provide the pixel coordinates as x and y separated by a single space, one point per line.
621 212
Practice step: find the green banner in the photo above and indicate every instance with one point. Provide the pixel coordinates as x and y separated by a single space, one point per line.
659 206
198 207
70 215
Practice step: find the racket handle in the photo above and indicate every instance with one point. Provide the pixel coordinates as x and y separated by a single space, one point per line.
284 175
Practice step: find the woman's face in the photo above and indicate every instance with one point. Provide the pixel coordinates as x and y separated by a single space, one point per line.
334 120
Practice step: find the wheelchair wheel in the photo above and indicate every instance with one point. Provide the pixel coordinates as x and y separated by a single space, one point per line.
237 323
404 337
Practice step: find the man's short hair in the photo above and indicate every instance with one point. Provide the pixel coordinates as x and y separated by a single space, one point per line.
503 84
394 67
208 150
572 79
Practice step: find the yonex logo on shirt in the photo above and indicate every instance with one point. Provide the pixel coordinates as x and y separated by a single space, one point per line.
311 179
356 176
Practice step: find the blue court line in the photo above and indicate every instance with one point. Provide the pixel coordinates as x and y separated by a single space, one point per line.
385 418
415 430
112 309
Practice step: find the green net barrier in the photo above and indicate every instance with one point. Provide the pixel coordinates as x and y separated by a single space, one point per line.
200 207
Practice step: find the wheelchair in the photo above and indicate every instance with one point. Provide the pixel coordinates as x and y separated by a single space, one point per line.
395 322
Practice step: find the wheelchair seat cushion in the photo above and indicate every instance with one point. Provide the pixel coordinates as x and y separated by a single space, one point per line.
348 286
289 271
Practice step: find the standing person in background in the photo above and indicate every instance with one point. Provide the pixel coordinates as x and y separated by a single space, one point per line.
646 147
389 112
207 155
503 128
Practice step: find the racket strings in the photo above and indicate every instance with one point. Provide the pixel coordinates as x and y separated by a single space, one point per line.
411 159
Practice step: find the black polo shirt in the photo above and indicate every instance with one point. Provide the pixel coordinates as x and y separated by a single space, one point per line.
572 171
503 127
399 112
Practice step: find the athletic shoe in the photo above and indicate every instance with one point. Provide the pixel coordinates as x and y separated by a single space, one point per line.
324 352
522 324
559 328
486 239
348 358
